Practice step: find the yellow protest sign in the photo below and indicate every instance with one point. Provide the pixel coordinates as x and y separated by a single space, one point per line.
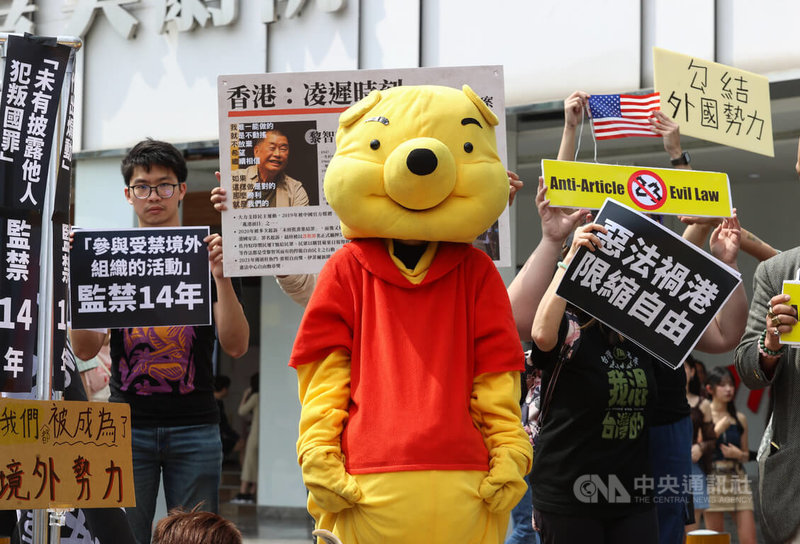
653 190
715 102
65 454
792 288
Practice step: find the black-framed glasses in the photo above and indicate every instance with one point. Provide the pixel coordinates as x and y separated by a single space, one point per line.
164 190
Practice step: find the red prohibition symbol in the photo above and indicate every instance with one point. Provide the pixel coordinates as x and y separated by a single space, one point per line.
647 190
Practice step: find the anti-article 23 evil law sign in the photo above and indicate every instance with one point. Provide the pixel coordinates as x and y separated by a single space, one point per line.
648 283
140 278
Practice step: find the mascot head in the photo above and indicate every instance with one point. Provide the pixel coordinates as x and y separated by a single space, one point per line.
417 163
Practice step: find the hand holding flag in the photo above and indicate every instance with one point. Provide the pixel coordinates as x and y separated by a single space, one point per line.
622 115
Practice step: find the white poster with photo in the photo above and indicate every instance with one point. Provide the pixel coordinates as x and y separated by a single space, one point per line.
277 136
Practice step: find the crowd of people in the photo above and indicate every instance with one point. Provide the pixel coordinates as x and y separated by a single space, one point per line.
688 428
696 436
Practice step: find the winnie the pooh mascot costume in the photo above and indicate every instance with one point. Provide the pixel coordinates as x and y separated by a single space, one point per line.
407 356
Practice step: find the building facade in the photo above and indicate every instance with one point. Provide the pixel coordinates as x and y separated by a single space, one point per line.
150 68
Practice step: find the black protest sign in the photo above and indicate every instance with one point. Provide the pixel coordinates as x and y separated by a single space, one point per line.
60 301
647 283
93 525
61 230
140 278
20 243
34 73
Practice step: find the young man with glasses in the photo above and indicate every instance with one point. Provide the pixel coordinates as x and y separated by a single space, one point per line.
175 431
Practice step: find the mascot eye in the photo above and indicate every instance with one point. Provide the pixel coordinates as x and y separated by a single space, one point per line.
375 144
468 147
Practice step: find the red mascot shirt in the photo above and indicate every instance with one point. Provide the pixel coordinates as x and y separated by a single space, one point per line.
415 350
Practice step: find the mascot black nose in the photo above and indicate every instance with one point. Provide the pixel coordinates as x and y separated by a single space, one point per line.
422 161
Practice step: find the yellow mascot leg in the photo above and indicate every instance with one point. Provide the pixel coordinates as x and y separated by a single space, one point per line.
435 507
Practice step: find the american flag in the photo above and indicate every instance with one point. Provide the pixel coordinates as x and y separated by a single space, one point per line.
621 115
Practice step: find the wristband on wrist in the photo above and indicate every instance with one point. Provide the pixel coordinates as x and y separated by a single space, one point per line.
764 350
562 264
682 159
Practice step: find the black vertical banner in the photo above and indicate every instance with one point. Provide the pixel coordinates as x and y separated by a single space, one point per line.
62 355
34 73
20 242
32 79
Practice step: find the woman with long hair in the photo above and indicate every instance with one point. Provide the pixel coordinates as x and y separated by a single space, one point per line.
703 439
729 491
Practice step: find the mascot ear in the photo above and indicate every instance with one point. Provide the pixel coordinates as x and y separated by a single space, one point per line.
357 110
488 114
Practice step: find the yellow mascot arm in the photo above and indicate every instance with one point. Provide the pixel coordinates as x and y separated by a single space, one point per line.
495 410
324 389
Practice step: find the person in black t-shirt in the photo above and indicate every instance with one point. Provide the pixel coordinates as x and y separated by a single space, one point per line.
165 373
591 475
671 413
592 452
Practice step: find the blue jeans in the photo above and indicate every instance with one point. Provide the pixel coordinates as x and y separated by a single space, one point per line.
190 459
671 462
521 523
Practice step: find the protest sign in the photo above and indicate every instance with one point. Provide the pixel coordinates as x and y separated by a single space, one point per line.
81 525
32 79
20 235
32 83
792 288
140 278
655 190
715 102
65 454
60 246
648 283
289 122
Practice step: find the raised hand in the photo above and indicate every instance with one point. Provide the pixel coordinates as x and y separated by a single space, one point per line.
557 223
725 239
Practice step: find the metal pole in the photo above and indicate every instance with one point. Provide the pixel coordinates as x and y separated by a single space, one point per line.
57 520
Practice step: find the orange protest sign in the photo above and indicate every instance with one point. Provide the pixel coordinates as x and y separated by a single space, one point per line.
65 454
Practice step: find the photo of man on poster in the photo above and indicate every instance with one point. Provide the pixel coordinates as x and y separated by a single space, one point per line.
265 183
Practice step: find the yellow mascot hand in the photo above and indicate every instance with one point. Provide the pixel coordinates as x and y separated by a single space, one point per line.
324 390
505 485
495 410
331 487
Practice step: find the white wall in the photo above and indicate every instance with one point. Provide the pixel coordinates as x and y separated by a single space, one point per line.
758 36
164 85
279 479
382 26
102 201
159 85
665 24
548 47
317 40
